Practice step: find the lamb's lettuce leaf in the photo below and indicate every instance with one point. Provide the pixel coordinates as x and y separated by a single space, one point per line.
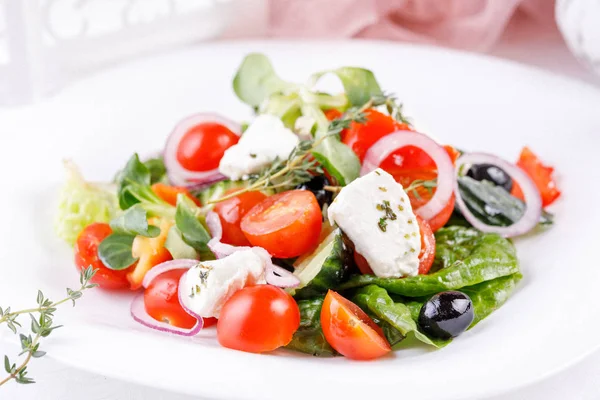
115 251
359 84
464 257
134 222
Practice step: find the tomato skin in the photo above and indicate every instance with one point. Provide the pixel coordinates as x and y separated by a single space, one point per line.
287 224
86 254
350 331
258 319
232 211
361 136
540 174
162 301
202 147
427 254
169 193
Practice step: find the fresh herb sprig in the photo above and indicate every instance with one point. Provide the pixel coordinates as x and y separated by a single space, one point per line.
428 185
298 167
41 327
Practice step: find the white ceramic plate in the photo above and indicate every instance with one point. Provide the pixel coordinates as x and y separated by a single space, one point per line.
470 101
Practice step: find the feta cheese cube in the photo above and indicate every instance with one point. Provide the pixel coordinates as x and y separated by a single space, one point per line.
375 213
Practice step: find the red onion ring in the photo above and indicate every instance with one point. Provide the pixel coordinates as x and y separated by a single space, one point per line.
213 221
178 175
182 303
392 142
533 200
138 312
161 268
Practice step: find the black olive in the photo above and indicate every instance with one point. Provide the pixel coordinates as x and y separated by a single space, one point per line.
446 315
316 185
489 172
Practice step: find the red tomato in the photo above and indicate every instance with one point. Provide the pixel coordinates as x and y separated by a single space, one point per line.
361 136
86 254
332 114
426 256
258 319
202 147
540 174
350 331
169 193
232 211
411 163
162 302
287 224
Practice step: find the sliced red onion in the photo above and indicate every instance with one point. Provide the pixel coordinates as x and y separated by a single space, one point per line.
196 187
533 200
180 176
392 142
278 276
222 250
214 225
138 312
182 303
161 268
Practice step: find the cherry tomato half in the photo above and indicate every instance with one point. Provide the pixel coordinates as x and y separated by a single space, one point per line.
203 146
350 331
287 224
232 211
169 193
86 254
162 301
258 319
540 174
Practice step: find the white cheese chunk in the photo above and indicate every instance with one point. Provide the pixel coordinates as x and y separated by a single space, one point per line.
375 213
208 285
265 140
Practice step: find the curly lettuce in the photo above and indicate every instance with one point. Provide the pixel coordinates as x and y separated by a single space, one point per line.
82 203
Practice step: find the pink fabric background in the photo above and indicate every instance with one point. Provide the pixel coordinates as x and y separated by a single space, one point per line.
469 24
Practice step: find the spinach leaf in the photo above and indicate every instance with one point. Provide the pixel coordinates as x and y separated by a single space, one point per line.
309 337
493 204
376 300
487 297
256 80
178 247
134 222
192 230
133 187
115 251
158 171
359 83
467 257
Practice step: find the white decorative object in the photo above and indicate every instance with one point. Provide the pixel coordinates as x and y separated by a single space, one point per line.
45 42
579 22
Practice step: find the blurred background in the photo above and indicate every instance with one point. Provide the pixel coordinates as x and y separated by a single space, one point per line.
45 44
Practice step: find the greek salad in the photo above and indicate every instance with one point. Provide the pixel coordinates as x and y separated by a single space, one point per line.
328 224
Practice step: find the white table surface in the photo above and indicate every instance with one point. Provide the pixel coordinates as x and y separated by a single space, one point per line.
539 47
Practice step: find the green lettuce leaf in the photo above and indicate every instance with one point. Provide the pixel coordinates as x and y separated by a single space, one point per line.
466 257
309 337
359 83
134 222
192 230
115 251
82 203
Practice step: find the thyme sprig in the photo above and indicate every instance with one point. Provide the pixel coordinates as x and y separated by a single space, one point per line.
41 326
428 185
299 167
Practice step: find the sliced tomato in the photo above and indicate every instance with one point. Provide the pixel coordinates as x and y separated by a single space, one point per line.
361 136
202 147
162 300
232 211
410 164
540 174
426 256
169 193
350 331
287 224
258 319
86 254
